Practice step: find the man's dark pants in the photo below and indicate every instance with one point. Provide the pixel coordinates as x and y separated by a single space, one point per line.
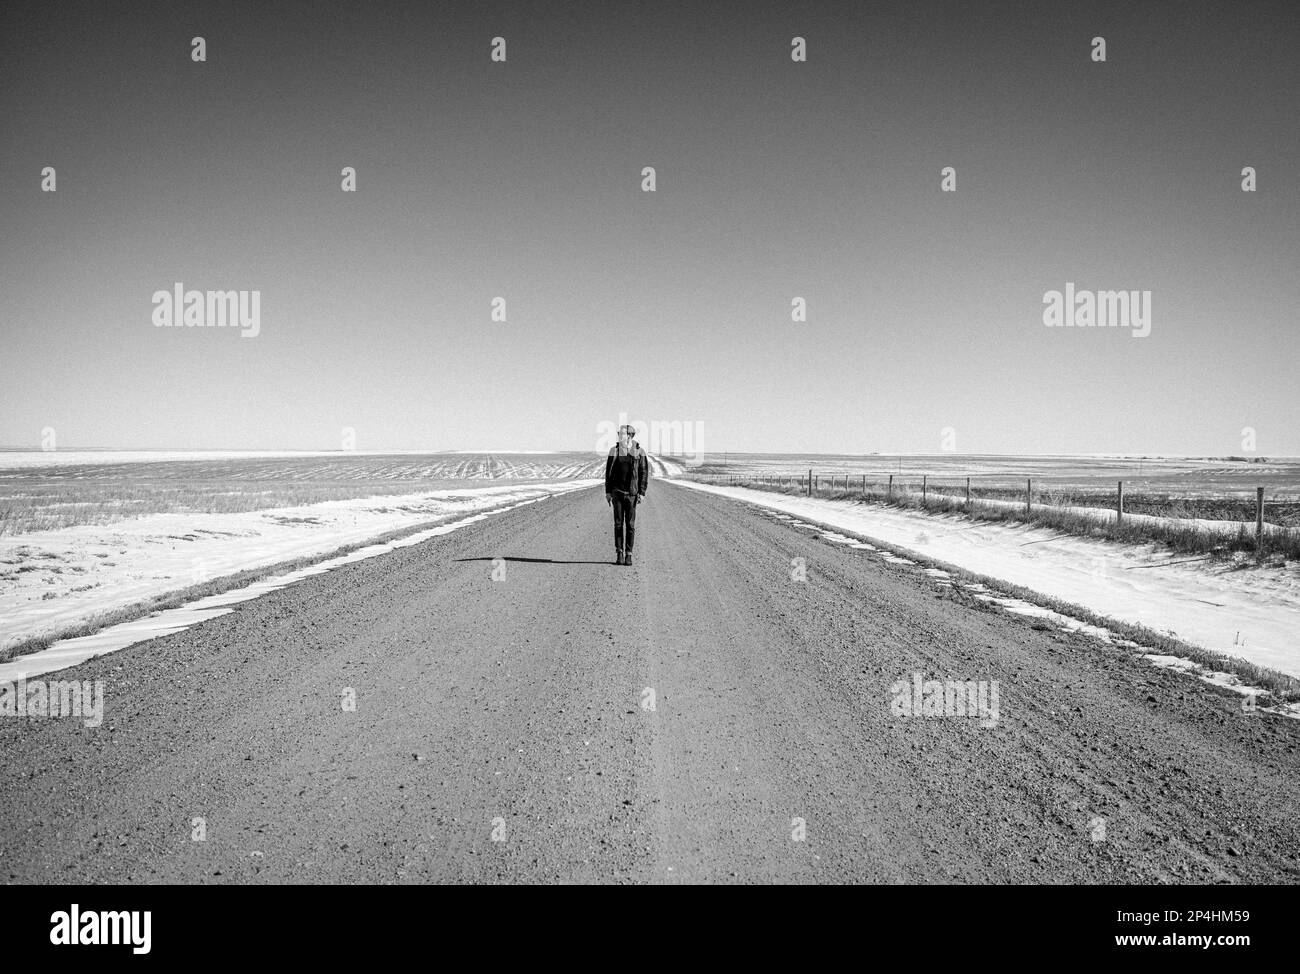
624 520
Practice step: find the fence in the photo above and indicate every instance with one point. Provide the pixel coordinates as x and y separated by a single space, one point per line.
896 489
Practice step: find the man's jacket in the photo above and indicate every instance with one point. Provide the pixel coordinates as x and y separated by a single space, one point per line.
627 472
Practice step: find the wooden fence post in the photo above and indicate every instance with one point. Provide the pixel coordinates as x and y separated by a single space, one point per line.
1119 502
889 493
809 483
1029 492
968 492
1259 519
923 480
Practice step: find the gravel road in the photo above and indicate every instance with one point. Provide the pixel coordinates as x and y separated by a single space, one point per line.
503 729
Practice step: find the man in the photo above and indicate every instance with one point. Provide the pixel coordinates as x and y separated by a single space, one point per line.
627 472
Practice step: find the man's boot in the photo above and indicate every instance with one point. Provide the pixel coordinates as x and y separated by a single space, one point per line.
627 558
618 559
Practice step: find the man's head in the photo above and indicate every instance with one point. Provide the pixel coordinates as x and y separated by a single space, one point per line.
626 434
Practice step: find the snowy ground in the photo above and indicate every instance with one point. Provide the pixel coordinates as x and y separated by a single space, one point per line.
50 580
1251 613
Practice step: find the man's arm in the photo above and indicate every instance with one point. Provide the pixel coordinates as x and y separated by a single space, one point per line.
643 474
609 470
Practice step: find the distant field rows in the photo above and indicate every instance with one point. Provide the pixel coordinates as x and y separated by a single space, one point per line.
34 498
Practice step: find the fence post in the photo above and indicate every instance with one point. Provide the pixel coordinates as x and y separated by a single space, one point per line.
1029 492
889 493
864 485
923 480
968 492
809 483
1119 502
1259 519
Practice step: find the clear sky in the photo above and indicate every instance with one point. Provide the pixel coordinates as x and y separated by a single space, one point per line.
776 179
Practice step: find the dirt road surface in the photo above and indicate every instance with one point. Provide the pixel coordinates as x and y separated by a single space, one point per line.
701 716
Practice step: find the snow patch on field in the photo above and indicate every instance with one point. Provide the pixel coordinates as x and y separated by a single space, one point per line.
1252 613
55 579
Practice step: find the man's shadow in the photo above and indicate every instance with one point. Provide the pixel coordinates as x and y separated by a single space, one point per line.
536 561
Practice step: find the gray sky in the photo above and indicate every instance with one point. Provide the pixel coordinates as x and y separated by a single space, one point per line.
775 180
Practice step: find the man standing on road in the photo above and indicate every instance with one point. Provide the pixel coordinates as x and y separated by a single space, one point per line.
627 472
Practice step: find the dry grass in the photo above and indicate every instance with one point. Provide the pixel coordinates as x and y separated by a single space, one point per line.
1050 510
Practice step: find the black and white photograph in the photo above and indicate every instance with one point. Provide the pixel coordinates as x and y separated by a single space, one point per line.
626 443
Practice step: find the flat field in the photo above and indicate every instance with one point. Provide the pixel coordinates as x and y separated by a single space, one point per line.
47 491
